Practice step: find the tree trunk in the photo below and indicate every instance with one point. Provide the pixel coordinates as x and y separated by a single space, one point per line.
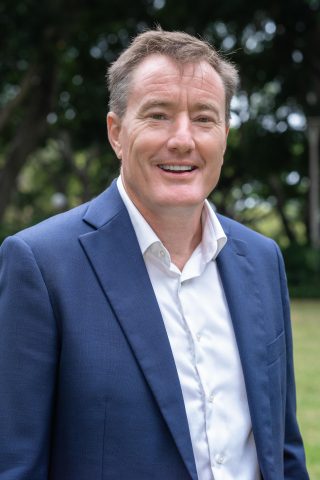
29 133
29 79
277 190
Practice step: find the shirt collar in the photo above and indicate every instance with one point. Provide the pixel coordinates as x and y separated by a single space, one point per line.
213 236
145 235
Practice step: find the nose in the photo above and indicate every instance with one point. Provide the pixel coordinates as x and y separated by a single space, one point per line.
181 138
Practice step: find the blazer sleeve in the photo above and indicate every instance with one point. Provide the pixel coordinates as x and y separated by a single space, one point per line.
294 456
28 364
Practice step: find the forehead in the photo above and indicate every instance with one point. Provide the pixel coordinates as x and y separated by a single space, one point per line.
160 73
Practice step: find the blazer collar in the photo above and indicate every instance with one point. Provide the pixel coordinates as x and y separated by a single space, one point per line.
104 207
113 251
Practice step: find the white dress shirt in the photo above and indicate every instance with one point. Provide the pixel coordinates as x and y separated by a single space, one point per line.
202 340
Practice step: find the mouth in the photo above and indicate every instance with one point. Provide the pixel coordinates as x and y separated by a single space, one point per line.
177 168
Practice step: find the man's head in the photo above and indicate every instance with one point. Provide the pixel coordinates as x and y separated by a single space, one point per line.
180 47
168 121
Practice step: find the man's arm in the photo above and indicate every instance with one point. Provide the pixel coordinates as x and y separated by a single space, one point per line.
294 456
28 360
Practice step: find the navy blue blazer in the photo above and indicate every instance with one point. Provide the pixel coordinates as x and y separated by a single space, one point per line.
88 384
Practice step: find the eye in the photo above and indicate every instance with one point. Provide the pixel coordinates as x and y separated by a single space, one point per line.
158 116
204 119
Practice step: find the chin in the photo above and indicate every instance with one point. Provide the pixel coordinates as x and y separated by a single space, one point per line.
182 202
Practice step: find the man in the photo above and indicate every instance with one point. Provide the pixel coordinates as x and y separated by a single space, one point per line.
142 336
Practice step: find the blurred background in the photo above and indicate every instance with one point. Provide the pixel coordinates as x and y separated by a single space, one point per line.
54 152
53 147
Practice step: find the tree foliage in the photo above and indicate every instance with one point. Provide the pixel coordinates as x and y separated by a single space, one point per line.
53 148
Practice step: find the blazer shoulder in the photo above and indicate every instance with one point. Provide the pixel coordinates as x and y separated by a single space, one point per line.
261 248
52 230
69 225
246 234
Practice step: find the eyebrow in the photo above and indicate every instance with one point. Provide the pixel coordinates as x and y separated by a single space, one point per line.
200 106
206 106
155 104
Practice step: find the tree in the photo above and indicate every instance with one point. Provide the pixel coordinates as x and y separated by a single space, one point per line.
53 99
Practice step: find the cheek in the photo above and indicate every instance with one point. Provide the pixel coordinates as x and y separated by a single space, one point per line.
145 147
213 153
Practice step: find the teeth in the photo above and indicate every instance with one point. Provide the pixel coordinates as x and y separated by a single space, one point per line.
176 168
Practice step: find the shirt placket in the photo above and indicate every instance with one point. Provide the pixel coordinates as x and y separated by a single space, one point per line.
194 339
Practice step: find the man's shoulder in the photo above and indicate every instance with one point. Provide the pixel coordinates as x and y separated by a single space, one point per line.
63 228
263 252
74 222
51 229
245 234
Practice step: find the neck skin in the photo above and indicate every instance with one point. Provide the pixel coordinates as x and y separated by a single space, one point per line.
178 228
180 232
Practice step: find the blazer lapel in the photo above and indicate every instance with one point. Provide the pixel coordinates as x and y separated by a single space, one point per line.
243 297
114 254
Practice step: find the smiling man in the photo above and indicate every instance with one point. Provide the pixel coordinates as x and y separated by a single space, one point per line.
142 335
171 141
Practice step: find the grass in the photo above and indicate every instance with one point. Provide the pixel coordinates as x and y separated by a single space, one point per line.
306 336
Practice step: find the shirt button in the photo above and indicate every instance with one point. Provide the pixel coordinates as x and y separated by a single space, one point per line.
211 398
161 253
198 336
220 459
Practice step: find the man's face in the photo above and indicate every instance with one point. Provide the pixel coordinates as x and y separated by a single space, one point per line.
172 138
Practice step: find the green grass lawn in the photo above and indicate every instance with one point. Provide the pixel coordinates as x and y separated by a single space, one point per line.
306 335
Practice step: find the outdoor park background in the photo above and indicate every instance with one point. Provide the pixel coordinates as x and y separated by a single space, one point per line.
54 153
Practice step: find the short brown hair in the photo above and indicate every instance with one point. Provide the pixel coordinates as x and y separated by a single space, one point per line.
181 47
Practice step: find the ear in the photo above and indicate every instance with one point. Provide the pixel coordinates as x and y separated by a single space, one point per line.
114 128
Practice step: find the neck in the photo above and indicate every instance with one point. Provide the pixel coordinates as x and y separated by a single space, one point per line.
180 232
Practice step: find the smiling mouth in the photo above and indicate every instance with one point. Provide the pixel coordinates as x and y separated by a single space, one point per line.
177 168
